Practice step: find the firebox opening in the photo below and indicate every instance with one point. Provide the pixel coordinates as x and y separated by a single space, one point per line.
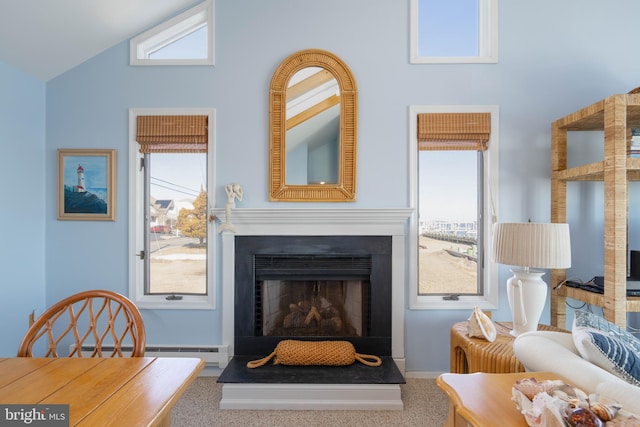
312 295
313 308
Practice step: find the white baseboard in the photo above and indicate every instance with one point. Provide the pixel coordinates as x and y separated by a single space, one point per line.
422 374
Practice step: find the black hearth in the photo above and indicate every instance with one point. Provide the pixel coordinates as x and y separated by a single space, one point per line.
312 288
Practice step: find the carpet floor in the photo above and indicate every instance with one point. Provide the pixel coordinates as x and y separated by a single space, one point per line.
425 405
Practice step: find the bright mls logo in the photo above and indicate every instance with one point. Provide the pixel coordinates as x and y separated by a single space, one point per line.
34 415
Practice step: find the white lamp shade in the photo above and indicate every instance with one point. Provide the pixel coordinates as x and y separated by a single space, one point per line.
533 245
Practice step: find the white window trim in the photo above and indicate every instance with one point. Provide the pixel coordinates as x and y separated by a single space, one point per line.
491 290
488 38
136 218
141 46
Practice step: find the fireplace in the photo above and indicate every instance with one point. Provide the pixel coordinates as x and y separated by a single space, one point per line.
312 239
312 288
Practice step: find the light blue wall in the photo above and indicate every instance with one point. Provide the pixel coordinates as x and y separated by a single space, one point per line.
22 211
555 57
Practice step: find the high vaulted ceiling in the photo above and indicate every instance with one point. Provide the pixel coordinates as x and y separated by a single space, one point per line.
48 37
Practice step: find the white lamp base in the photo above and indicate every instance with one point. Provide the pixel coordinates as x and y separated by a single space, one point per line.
527 294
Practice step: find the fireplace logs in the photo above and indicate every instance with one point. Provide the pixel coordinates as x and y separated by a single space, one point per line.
309 320
319 312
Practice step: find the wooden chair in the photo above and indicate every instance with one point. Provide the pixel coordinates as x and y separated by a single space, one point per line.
106 323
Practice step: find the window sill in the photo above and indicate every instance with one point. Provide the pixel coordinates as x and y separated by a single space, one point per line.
188 302
464 303
454 60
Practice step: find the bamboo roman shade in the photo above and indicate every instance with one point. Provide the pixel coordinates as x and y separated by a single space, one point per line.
453 131
172 134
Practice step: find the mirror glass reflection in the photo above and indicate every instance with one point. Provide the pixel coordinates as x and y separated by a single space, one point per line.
312 128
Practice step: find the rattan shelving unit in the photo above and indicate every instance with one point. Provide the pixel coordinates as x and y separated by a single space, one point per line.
616 115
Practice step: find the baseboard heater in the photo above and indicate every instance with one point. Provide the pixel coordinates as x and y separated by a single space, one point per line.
217 355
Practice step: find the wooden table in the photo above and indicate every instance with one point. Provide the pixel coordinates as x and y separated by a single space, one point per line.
484 400
101 392
470 355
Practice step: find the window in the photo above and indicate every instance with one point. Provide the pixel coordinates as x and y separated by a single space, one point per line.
453 187
186 39
454 31
171 237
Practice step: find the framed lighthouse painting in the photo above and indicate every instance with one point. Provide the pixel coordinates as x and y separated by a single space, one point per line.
86 184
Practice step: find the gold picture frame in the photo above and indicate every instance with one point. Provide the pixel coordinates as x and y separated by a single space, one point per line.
87 184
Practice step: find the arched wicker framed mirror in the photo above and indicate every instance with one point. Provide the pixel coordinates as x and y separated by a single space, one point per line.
313 124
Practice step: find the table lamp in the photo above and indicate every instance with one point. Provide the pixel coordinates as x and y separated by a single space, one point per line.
530 245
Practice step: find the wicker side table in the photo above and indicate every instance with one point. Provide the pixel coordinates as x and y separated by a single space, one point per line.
470 355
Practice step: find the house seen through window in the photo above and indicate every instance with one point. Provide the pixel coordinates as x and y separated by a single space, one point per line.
177 223
171 156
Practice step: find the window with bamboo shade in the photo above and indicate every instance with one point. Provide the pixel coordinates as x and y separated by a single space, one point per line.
171 156
453 146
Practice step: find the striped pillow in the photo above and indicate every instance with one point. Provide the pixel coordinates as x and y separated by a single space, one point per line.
584 319
608 347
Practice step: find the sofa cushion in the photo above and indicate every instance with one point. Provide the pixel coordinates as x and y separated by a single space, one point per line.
607 346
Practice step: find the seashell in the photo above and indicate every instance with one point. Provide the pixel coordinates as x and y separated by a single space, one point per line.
575 397
552 417
551 410
530 387
523 403
532 415
565 391
481 326
605 412
606 409
581 394
543 411
583 417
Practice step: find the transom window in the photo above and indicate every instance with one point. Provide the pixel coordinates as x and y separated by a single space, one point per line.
187 39
454 31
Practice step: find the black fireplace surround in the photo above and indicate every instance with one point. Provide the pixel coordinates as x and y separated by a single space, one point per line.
319 252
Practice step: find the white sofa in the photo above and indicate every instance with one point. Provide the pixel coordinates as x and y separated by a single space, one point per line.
555 352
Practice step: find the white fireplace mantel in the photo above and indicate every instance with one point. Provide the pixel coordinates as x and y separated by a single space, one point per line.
298 221
316 222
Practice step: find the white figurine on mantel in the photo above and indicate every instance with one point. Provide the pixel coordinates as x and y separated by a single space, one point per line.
234 191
